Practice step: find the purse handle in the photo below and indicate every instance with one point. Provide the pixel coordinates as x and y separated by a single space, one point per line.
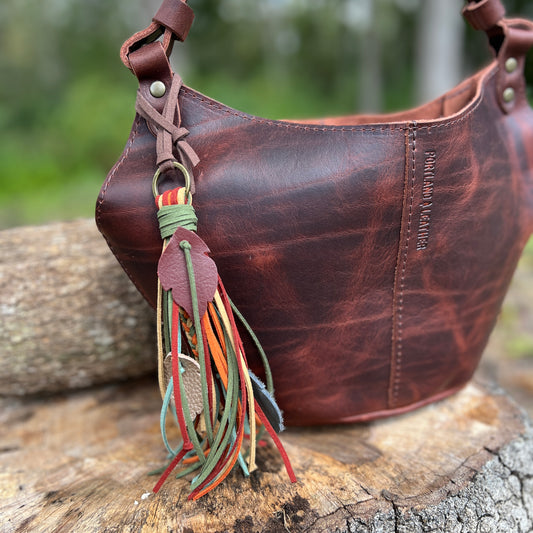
173 20
510 40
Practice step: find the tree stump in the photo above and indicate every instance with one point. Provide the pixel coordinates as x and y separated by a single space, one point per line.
69 316
79 462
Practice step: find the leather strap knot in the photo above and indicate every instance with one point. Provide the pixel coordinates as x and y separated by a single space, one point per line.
170 133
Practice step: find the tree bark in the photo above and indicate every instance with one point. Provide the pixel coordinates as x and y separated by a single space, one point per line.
80 463
69 317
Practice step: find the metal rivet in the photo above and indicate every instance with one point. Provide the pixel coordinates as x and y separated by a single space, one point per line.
158 89
508 95
511 65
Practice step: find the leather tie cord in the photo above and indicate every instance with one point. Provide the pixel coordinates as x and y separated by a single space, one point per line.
169 135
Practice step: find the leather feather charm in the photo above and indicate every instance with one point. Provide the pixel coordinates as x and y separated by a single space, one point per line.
173 271
221 407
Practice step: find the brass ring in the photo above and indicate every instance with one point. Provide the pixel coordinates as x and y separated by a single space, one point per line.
182 169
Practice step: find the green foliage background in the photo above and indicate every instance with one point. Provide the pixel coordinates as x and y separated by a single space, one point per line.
66 101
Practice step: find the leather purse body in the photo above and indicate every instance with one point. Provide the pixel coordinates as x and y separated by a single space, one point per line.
370 254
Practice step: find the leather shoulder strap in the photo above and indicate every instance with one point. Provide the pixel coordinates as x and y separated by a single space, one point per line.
484 14
173 20
176 16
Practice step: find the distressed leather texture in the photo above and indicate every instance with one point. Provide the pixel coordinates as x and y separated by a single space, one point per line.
370 255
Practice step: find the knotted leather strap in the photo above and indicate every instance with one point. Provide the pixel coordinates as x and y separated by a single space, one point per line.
162 113
170 134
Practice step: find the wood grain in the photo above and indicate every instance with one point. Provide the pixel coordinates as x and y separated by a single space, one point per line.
79 462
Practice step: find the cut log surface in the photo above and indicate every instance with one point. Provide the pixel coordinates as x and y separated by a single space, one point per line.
69 316
79 462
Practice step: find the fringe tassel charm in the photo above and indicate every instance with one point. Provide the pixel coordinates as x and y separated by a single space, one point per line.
220 406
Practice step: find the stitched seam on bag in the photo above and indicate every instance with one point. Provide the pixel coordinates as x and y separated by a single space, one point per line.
399 359
289 125
344 129
399 354
395 283
125 153
120 162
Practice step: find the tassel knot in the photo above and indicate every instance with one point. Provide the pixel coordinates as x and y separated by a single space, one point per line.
170 135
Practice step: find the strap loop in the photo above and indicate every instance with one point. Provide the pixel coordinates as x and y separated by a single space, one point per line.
176 16
510 81
150 64
173 20
484 14
510 39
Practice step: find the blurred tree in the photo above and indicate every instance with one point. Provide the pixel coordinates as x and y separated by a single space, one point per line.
63 101
440 42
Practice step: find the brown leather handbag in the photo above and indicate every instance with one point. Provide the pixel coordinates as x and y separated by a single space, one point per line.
370 254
